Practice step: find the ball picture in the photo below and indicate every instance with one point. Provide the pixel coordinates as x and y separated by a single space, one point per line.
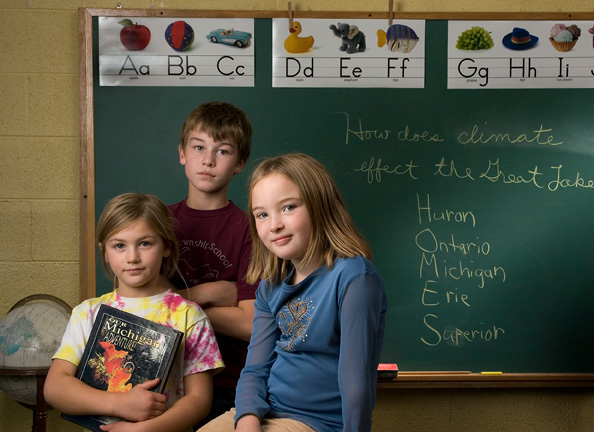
179 35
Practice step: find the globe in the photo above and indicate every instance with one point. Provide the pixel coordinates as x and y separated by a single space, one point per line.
30 334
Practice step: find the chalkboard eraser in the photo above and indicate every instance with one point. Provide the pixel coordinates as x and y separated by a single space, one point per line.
387 371
492 373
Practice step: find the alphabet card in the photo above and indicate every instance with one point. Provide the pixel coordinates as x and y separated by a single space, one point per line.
520 54
348 53
144 51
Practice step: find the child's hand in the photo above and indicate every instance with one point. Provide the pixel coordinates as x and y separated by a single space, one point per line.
122 427
221 293
140 403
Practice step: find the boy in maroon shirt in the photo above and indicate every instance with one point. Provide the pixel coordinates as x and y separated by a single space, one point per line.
214 236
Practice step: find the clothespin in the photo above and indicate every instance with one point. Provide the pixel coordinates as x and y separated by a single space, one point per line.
291 15
391 13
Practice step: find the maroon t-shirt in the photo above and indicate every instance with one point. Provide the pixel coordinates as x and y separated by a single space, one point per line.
216 245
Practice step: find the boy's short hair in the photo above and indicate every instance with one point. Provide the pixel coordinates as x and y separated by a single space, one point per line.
222 121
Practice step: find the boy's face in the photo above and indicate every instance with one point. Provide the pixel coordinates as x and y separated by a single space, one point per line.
209 165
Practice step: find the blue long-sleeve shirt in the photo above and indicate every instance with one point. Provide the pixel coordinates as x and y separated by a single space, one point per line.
315 348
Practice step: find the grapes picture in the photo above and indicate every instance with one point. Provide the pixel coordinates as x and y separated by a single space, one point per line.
475 38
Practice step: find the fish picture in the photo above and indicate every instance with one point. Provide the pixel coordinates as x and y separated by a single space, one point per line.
398 38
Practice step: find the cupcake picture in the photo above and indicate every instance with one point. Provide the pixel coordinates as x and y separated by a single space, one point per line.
564 38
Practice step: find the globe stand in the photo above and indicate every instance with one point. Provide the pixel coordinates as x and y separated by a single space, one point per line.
39 372
40 408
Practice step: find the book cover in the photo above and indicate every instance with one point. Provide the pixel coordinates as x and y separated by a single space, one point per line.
124 350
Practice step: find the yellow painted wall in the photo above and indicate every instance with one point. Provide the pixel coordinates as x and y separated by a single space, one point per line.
39 175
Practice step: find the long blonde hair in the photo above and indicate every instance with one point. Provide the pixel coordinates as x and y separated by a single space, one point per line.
334 234
127 208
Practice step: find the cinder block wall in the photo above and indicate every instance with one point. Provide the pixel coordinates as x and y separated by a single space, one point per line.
39 178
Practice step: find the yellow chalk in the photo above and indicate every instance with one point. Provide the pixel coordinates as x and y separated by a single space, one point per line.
491 373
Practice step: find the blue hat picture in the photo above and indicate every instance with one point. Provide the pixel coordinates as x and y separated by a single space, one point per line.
519 39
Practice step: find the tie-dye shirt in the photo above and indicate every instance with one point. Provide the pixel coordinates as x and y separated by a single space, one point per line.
198 352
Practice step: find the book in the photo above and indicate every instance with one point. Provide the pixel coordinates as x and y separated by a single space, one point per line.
124 350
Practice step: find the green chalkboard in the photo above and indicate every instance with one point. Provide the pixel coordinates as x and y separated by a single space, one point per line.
481 228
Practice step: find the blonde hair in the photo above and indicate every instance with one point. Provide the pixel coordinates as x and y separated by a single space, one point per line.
222 121
127 208
334 234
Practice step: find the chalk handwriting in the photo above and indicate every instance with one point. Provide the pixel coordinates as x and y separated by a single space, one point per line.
428 242
494 174
425 136
363 134
460 271
431 297
559 182
452 171
450 276
458 337
374 170
446 215
539 136
356 129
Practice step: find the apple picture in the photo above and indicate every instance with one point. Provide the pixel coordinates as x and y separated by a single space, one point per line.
134 37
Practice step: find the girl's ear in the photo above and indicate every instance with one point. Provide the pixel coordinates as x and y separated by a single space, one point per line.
166 253
103 252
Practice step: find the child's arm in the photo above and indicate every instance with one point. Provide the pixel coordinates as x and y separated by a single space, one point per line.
220 293
252 389
182 415
248 423
235 322
219 301
362 323
68 394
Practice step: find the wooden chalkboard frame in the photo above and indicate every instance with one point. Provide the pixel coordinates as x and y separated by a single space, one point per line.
87 265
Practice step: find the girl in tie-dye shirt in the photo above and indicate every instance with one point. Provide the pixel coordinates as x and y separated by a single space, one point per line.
140 253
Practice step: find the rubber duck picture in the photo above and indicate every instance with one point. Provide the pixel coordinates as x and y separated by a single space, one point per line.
296 44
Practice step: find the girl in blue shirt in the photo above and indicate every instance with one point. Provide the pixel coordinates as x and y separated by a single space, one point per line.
320 308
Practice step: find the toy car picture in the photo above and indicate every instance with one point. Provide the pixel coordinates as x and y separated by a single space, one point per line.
233 37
